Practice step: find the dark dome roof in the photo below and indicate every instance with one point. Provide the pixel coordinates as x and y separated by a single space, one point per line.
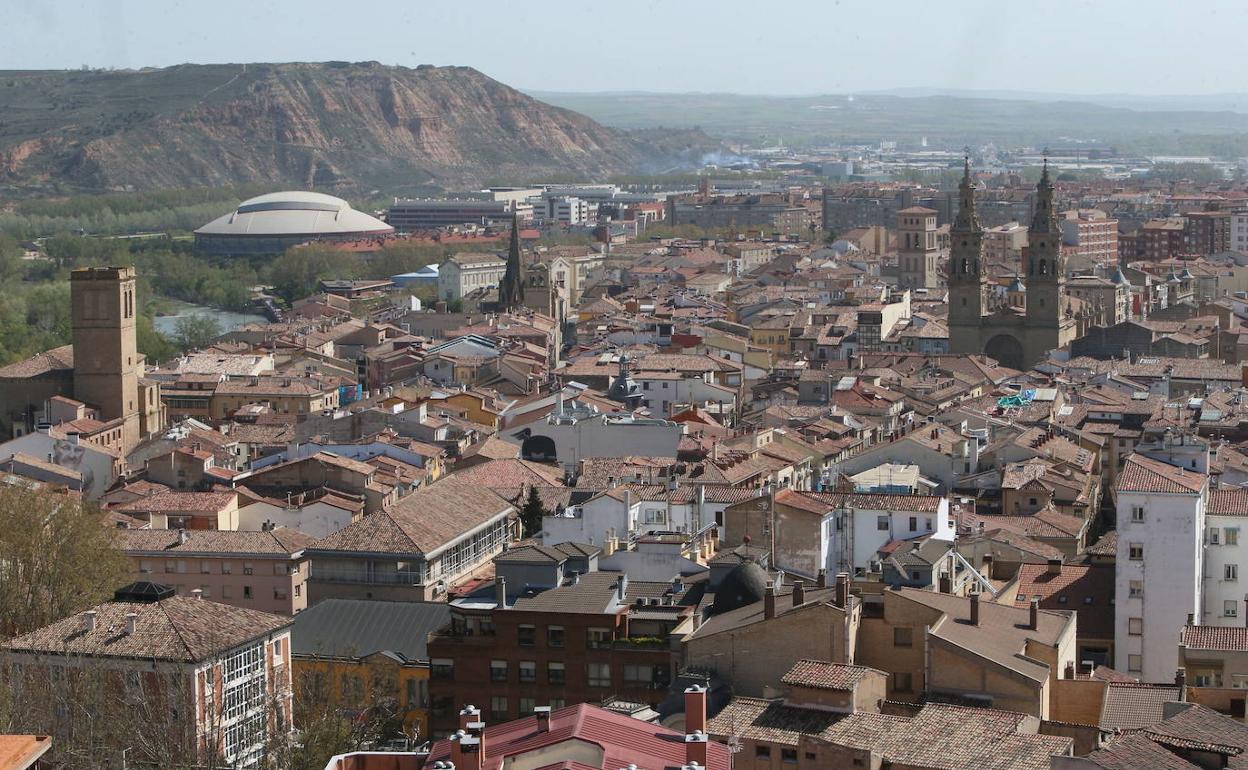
745 584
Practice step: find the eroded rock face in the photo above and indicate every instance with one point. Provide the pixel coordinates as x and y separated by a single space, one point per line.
352 125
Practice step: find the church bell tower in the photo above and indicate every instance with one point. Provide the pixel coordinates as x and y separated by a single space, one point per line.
1046 269
967 283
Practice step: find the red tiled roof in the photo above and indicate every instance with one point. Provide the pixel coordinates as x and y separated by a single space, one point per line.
623 740
1144 474
1228 502
1224 638
825 676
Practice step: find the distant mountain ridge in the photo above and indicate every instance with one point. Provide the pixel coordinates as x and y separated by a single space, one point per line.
332 125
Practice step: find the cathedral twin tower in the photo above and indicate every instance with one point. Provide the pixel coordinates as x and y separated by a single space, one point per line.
1017 335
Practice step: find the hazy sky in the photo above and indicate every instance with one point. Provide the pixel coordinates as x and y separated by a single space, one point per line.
745 46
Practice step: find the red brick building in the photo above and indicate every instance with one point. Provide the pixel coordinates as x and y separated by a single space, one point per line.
586 639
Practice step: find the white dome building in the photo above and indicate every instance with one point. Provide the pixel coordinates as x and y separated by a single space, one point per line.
272 223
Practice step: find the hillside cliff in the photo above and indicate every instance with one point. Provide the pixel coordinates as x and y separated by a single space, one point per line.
328 125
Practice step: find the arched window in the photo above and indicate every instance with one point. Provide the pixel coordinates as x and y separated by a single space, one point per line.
964 262
1043 267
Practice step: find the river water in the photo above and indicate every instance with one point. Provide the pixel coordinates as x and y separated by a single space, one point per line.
226 319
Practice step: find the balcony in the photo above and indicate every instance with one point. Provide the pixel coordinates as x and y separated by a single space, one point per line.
363 578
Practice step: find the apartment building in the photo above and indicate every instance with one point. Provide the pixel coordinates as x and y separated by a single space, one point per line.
256 570
1160 563
465 273
546 635
210 680
1093 234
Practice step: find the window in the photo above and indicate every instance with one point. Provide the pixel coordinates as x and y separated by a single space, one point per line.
1136 588
914 523
205 568
246 592
1135 551
528 671
903 681
1231 536
788 756
248 569
227 592
226 568
277 652
1137 513
1230 608
762 751
498 671
598 638
498 708
599 674
1213 536
1135 663
555 673
526 636
417 693
881 523
442 668
527 705
1230 572
638 674
1135 626
558 703
903 637
555 636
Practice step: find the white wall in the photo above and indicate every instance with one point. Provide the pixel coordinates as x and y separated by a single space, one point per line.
95 465
1170 575
1219 591
317 519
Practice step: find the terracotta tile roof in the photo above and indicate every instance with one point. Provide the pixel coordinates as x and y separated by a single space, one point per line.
1043 523
1134 751
1144 474
1222 638
1228 502
1132 706
278 542
1106 546
879 502
1015 539
823 675
179 628
509 474
163 502
425 520
773 722
1202 729
56 359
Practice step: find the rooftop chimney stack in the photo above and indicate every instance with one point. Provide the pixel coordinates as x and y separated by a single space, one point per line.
695 709
467 715
821 580
695 748
197 593
769 601
842 589
466 751
132 619
799 593
543 718
621 587
1033 614
1055 567
1180 681
88 620
975 609
500 592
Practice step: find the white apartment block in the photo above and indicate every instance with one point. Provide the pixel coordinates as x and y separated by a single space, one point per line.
1160 564
1226 555
465 273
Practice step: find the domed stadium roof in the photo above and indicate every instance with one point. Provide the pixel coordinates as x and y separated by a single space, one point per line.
294 213
745 584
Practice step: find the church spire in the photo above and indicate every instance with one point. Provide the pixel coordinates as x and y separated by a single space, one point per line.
511 290
967 220
1044 221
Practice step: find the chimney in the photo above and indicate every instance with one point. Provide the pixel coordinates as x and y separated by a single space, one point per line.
842 589
88 620
1055 567
769 601
197 593
695 709
821 580
466 751
183 536
543 718
1180 681
467 715
1070 670
1033 614
975 609
799 593
621 587
695 749
132 619
500 592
